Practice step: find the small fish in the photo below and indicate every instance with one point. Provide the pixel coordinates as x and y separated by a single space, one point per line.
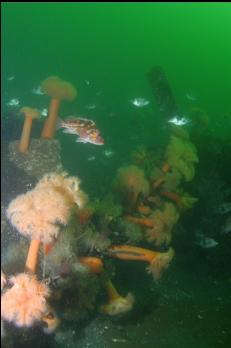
91 158
84 128
91 106
226 228
108 153
87 82
191 96
112 114
205 242
119 340
224 208
99 93
11 78
13 102
37 90
140 102
179 121
44 112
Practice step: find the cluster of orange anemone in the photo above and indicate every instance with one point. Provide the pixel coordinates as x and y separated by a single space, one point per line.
40 214
154 200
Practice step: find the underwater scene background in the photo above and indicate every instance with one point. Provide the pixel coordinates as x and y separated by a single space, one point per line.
116 175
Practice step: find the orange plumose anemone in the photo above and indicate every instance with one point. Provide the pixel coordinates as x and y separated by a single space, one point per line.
129 182
25 302
161 232
39 213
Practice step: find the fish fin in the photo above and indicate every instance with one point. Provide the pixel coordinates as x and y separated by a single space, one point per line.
79 118
81 140
81 121
75 117
69 131
71 118
59 123
84 119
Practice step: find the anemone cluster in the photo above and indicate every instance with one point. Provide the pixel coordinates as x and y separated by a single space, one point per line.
73 239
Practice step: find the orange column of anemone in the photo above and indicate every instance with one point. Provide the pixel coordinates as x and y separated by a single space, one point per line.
173 196
117 304
30 115
158 182
165 167
144 209
111 291
25 136
32 256
50 123
142 221
95 264
158 261
128 252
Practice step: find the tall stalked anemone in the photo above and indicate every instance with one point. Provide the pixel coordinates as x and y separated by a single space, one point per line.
58 90
41 212
30 115
117 304
158 261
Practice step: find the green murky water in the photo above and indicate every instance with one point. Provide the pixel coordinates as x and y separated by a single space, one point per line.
106 50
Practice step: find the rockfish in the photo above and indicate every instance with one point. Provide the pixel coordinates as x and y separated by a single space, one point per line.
84 128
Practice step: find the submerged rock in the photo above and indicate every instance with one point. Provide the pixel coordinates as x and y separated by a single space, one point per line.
4 222
43 157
